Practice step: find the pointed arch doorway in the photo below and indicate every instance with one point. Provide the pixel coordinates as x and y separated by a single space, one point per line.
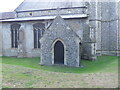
58 53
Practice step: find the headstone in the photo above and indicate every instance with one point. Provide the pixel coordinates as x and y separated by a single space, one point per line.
21 46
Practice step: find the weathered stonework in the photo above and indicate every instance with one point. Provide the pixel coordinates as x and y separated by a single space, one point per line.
60 31
105 23
52 12
0 39
21 43
119 28
88 29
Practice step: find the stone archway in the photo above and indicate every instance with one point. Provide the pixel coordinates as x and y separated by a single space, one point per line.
58 53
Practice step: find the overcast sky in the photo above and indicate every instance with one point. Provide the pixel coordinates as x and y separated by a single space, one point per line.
10 5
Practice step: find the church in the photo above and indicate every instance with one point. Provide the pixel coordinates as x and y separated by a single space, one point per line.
61 32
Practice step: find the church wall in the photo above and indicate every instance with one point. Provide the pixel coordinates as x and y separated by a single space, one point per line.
109 38
105 22
109 28
28 30
119 28
0 39
7 50
94 11
113 28
77 26
95 22
102 18
52 12
82 29
113 35
113 11
105 36
98 38
89 32
29 40
88 43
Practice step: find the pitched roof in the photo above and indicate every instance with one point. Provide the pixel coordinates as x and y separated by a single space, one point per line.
7 15
31 5
59 21
45 18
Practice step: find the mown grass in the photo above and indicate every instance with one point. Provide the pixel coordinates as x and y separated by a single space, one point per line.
102 64
5 87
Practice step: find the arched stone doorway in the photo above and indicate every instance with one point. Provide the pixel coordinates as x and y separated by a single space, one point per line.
58 53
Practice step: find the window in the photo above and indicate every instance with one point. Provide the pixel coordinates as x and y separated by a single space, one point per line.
14 35
39 29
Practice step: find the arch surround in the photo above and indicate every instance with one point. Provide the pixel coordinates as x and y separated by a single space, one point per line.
53 50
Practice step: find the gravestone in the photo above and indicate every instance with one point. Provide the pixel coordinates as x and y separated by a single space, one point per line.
21 43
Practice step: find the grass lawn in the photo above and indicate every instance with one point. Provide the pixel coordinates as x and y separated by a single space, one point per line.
103 64
27 73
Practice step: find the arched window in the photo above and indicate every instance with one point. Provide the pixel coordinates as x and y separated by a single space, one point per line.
15 35
39 29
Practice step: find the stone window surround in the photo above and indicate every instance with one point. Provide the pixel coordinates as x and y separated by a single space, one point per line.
37 33
37 38
13 29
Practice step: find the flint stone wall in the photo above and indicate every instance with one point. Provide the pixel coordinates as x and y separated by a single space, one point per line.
59 30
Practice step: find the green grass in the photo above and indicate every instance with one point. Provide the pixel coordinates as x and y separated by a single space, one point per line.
102 64
5 87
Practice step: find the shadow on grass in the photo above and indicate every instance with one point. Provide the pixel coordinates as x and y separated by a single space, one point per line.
102 64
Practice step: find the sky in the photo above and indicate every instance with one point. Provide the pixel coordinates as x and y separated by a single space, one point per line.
11 5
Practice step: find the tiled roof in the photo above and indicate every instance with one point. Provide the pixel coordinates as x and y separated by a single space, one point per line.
44 18
31 5
7 15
